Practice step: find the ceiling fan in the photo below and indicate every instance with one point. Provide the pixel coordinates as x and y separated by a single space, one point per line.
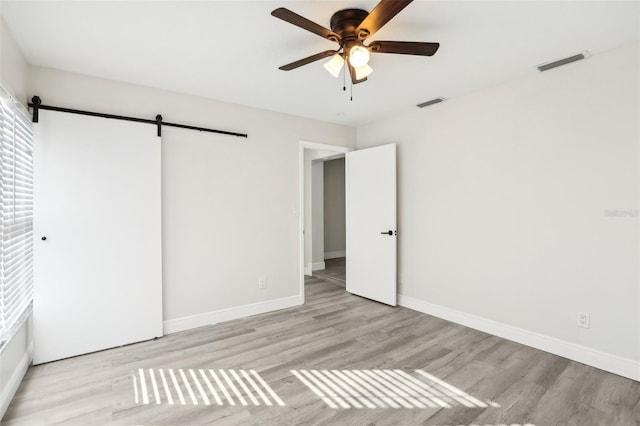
350 28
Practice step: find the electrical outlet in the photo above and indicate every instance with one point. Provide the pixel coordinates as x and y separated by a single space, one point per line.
583 319
262 283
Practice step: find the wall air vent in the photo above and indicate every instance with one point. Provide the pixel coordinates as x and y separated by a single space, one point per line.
431 102
564 61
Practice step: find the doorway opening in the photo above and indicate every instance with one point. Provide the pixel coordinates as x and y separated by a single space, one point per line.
333 218
322 213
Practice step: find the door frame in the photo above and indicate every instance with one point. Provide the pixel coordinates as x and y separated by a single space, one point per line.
335 149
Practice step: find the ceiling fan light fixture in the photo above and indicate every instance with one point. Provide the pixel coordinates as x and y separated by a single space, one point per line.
363 71
334 65
358 56
350 29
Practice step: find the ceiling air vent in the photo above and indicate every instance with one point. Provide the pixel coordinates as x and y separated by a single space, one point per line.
431 102
564 61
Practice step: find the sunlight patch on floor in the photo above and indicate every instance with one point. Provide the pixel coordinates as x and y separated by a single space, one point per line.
490 424
202 387
385 389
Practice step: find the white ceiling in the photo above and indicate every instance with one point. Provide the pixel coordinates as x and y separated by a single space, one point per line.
231 50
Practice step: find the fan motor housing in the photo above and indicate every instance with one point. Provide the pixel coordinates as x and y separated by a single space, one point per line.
344 22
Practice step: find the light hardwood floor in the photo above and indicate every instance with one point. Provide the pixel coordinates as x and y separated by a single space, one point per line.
335 271
333 330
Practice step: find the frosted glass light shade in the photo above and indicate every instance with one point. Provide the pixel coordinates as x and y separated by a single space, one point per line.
358 56
334 65
363 71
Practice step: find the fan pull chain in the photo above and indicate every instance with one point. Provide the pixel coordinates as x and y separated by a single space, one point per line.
351 91
344 79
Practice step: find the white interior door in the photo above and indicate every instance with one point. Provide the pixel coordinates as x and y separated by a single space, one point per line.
98 274
371 223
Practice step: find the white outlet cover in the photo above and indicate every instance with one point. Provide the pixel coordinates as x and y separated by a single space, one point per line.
583 319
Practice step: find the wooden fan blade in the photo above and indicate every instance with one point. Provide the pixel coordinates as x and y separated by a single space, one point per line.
352 72
302 22
380 15
308 60
404 47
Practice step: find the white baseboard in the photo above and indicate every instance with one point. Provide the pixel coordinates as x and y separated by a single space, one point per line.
9 389
614 364
315 266
334 254
214 317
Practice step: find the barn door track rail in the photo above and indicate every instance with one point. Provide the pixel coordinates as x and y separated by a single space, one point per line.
36 104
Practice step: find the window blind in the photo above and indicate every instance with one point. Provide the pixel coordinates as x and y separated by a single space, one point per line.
16 218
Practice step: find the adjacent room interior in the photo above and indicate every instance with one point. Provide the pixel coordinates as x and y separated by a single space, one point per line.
432 221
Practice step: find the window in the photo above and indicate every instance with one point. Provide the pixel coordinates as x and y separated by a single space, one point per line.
16 215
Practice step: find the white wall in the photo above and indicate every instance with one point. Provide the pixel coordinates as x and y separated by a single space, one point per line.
506 204
14 69
310 157
317 214
334 208
229 204
16 355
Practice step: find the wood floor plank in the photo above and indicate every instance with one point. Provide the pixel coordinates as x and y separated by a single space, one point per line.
332 331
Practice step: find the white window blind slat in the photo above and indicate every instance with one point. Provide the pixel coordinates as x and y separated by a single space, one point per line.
14 287
16 215
21 201
14 311
22 163
15 290
20 219
16 277
13 233
22 252
13 268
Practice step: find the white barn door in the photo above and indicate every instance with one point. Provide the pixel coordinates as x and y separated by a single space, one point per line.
371 223
97 230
